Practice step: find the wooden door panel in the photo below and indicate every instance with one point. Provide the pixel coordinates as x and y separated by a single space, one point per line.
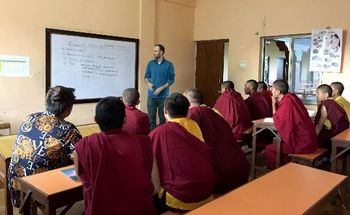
209 68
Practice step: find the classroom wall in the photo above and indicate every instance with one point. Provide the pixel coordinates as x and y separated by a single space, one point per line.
174 23
23 33
241 21
174 27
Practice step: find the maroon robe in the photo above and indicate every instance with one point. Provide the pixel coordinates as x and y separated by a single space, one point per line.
115 169
339 121
295 128
267 95
232 107
185 163
230 163
257 106
259 109
137 122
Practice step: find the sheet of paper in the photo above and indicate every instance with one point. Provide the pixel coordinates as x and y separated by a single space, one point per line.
14 66
311 113
268 119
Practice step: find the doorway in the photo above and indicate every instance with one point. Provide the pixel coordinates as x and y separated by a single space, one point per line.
211 66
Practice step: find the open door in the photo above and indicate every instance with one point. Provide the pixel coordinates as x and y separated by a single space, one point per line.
209 68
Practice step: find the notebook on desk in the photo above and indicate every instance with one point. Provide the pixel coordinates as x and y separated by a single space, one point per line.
70 172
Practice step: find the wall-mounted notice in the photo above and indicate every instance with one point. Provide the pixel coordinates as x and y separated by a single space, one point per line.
95 65
14 66
326 50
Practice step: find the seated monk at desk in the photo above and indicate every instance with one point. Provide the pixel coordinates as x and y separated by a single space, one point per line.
116 168
185 162
331 118
262 89
44 141
293 124
337 91
136 122
259 109
257 105
230 163
232 107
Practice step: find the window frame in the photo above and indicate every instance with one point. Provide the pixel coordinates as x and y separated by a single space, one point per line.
262 60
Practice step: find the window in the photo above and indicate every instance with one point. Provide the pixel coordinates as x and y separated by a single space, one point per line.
288 57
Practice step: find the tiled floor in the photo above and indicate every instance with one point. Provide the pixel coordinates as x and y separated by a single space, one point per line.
328 209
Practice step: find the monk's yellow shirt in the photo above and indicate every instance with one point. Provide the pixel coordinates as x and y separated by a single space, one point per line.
345 104
192 127
327 124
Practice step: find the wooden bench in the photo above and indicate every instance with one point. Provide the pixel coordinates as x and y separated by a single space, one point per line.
309 159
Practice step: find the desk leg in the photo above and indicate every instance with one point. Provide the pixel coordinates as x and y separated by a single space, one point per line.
339 203
334 153
8 204
49 209
252 165
278 151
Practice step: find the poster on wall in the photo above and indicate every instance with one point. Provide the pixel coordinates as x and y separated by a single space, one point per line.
326 50
14 66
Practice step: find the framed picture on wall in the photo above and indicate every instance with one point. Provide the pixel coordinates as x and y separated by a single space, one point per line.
326 50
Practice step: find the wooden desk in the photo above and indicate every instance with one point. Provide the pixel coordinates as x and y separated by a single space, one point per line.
88 129
290 189
263 124
6 145
52 189
342 140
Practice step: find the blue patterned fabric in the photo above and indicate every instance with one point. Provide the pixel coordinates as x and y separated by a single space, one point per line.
43 142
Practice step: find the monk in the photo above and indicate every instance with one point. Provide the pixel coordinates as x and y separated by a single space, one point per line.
116 169
185 162
256 102
262 88
258 109
337 91
232 107
293 124
230 163
137 122
331 118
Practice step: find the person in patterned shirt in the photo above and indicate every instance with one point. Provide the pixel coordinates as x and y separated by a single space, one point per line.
44 141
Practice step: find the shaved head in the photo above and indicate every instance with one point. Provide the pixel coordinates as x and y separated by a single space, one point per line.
281 85
176 105
250 87
338 87
253 84
131 96
261 86
194 95
228 85
324 88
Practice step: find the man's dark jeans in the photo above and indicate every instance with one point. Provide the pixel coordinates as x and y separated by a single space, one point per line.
154 104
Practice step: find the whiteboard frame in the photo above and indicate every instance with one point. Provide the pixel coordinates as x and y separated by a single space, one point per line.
51 31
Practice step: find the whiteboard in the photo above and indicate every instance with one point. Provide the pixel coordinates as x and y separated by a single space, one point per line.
94 65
